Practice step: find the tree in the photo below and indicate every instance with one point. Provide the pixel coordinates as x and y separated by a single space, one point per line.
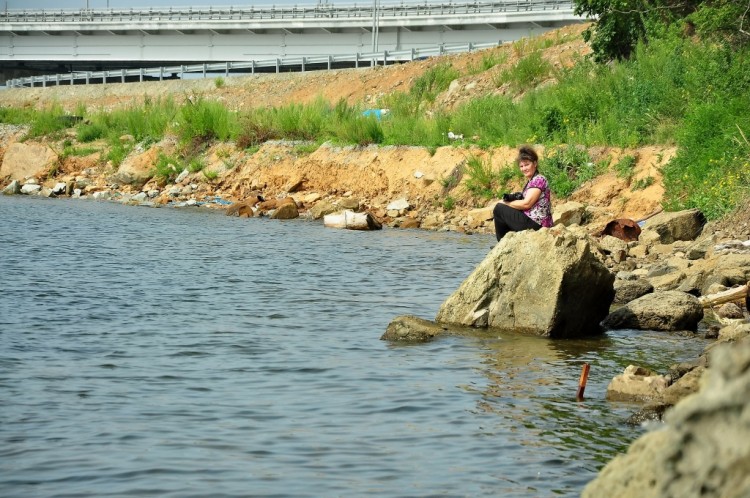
620 24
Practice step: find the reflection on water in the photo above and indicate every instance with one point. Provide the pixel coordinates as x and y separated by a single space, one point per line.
166 352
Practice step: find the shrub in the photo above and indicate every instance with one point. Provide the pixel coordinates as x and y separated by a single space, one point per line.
167 168
432 82
526 73
488 61
49 121
567 168
625 167
481 181
360 130
201 120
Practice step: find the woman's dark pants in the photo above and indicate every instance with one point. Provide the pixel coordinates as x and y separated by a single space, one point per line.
508 219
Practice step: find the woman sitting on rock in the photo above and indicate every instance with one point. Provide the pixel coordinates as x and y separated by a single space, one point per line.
533 210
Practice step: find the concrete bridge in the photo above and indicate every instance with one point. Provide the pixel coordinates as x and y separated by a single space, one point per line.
36 42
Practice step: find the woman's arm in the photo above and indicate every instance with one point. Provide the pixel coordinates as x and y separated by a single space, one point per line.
532 196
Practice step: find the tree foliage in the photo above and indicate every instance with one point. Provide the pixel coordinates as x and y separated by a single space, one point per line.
621 24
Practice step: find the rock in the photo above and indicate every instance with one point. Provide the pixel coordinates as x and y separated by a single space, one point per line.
680 225
685 386
174 191
22 160
730 310
639 251
140 197
104 195
614 246
433 221
652 412
294 184
271 204
636 384
60 188
398 205
477 217
734 332
311 198
244 209
411 329
548 282
322 208
13 188
286 211
701 450
30 189
409 223
670 281
699 249
137 169
181 177
569 213
630 290
351 203
665 310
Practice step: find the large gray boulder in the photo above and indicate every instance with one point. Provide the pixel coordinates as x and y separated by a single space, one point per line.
547 282
667 310
702 450
672 226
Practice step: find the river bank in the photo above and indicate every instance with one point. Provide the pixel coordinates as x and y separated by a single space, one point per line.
401 186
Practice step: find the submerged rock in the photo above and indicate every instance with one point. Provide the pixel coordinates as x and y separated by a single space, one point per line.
548 282
409 328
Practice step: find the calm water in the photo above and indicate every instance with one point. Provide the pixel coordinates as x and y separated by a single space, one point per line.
179 352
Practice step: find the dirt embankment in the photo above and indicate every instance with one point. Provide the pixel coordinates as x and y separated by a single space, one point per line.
373 175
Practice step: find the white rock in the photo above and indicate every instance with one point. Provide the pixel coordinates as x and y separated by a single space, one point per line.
29 189
59 188
398 205
140 196
182 176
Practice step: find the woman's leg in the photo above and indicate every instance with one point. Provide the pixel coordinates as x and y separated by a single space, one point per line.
508 219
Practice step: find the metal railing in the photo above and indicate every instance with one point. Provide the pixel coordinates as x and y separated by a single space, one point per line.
303 63
363 10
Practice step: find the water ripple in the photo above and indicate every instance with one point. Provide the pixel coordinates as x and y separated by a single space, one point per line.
179 353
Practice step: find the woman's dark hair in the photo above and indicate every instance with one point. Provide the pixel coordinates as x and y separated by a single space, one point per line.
526 152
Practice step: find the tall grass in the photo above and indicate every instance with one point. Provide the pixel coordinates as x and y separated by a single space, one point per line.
201 120
674 91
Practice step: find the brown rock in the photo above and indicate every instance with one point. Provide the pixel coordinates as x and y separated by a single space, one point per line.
24 160
286 211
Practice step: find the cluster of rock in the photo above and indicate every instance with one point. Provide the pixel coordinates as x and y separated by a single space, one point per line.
702 448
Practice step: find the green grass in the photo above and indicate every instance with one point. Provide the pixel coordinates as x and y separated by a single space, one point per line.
625 167
526 73
674 91
489 61
167 168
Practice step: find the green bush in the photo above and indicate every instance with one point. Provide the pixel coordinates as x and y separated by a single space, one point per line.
526 73
200 120
89 132
488 61
625 167
481 180
49 121
433 81
360 130
567 168
167 168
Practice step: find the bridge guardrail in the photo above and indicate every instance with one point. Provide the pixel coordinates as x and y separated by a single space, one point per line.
226 67
208 13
